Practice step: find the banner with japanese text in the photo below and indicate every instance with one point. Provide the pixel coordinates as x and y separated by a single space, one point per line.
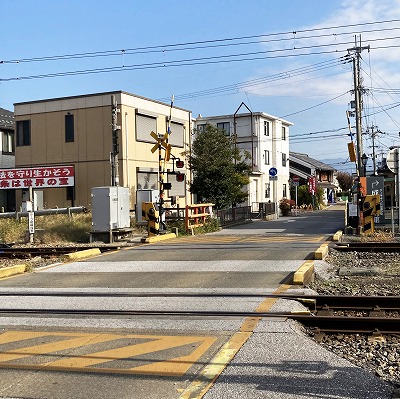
311 182
37 177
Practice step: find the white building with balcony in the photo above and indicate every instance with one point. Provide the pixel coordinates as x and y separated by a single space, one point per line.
266 139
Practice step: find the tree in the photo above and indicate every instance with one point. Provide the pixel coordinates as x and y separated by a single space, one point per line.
304 197
345 181
219 171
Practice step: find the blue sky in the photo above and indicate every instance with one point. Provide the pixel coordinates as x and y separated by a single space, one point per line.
276 57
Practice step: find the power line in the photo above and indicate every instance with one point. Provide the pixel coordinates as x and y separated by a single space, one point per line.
314 106
256 82
209 43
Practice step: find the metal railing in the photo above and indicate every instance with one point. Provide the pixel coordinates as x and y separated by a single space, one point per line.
42 212
234 215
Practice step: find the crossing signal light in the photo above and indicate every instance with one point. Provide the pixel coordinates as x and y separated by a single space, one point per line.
180 177
179 163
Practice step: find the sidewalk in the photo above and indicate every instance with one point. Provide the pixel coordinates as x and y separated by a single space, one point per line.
279 361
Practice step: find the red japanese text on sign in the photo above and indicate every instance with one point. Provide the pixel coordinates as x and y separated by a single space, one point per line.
39 177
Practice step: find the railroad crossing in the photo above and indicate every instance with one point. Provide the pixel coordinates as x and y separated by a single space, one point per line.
90 345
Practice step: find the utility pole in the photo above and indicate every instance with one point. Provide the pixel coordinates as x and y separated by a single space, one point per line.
356 51
115 144
373 134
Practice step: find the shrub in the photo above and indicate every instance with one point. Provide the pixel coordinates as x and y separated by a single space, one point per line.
285 205
210 225
52 228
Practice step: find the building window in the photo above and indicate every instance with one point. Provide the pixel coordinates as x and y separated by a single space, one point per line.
284 159
284 191
225 127
23 133
8 143
201 128
69 128
267 190
177 135
266 128
283 133
145 124
266 157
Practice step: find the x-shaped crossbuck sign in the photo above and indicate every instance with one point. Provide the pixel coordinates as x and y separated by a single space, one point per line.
161 141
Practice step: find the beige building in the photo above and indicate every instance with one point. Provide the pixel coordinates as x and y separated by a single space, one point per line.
77 131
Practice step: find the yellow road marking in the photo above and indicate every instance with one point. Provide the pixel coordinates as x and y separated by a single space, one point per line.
198 388
231 239
175 366
284 239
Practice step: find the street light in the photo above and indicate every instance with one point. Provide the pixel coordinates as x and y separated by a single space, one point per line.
364 160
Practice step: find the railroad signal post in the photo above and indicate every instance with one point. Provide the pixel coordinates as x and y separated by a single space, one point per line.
163 145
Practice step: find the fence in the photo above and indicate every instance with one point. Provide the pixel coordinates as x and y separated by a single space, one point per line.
43 212
196 215
266 208
234 215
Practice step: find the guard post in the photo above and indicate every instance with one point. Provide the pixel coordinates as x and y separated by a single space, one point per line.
151 214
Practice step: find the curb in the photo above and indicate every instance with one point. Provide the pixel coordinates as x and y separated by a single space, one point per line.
20 269
321 252
11 270
157 238
337 236
83 254
304 274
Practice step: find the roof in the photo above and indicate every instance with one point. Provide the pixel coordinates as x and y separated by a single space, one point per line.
6 119
94 95
304 158
264 115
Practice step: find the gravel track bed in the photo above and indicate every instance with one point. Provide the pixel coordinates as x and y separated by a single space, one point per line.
364 274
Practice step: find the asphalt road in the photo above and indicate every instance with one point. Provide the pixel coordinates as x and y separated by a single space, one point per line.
94 356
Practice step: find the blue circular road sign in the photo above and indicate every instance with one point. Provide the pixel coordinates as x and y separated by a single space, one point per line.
273 171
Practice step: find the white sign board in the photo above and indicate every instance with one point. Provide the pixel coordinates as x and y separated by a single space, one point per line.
352 209
31 222
392 160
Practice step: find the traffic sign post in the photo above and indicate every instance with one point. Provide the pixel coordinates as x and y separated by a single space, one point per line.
296 182
273 175
392 161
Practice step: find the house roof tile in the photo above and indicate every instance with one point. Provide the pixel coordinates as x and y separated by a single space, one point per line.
6 119
304 158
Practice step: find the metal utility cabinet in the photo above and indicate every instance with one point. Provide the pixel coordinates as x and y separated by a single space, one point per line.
110 211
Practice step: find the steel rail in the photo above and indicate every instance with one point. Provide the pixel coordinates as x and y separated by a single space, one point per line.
27 252
368 246
344 324
316 302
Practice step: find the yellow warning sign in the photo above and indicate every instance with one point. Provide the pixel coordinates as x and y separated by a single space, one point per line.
102 353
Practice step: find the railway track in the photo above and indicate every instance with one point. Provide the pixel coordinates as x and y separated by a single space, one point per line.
368 246
327 313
